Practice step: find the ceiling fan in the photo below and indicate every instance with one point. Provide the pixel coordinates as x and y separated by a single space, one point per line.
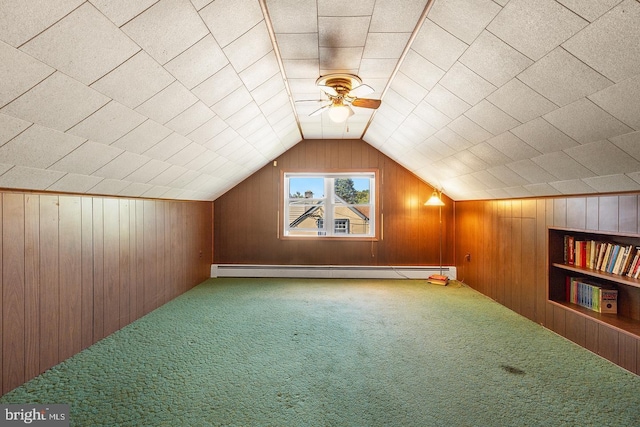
344 91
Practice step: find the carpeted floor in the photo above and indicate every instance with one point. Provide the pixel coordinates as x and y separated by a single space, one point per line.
290 352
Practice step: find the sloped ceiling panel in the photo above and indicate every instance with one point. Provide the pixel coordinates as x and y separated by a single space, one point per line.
184 99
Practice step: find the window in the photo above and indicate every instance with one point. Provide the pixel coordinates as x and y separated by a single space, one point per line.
344 200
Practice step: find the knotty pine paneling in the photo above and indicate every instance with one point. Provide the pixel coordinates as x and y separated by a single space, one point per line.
514 234
74 269
246 229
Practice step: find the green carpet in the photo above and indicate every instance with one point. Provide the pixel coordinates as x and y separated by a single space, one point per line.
290 352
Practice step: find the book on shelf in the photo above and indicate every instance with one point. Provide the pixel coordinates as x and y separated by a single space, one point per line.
593 296
608 257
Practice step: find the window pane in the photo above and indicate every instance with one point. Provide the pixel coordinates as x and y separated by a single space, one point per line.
352 190
305 215
354 219
301 187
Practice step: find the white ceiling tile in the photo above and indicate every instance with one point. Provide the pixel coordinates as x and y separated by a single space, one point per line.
517 192
135 81
431 115
337 8
346 58
472 161
123 165
84 45
438 46
491 117
604 158
143 137
469 130
453 139
487 180
331 30
168 147
622 101
490 154
293 16
408 88
562 166
574 186
385 45
399 103
589 9
58 102
202 160
542 136
512 146
109 186
166 177
135 189
221 140
612 183
109 123
446 102
466 84
520 101
218 86
22 20
29 178
542 189
229 19
121 11
75 183
246 114
389 18
38 147
276 103
530 171
208 130
198 63
10 127
452 166
493 59
464 19
232 103
168 103
562 78
260 71
301 68
535 28
298 46
507 175
191 118
420 70
611 45
148 171
586 122
629 142
87 158
249 47
167 29
187 154
19 72
254 124
371 69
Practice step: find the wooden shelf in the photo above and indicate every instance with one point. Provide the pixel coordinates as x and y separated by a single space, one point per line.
628 318
624 280
621 323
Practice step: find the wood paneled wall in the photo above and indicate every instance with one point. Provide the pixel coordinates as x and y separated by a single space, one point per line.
507 241
75 269
246 218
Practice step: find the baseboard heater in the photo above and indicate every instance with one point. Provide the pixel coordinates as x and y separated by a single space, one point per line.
330 271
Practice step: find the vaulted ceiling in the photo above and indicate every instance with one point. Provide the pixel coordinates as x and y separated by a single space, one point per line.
184 99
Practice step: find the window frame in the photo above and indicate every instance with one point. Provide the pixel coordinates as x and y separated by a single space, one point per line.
332 174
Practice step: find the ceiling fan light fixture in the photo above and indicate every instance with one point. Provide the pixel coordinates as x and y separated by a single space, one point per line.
340 113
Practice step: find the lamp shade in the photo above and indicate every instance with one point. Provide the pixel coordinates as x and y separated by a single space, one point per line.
340 113
434 200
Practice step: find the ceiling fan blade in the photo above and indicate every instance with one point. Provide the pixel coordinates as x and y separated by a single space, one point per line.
328 90
366 103
361 90
319 110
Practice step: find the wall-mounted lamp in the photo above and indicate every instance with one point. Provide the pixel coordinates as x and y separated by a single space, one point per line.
436 200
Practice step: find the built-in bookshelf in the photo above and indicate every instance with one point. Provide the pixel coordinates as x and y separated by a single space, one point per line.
609 261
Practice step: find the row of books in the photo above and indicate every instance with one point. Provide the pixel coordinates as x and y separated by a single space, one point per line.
591 295
608 257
